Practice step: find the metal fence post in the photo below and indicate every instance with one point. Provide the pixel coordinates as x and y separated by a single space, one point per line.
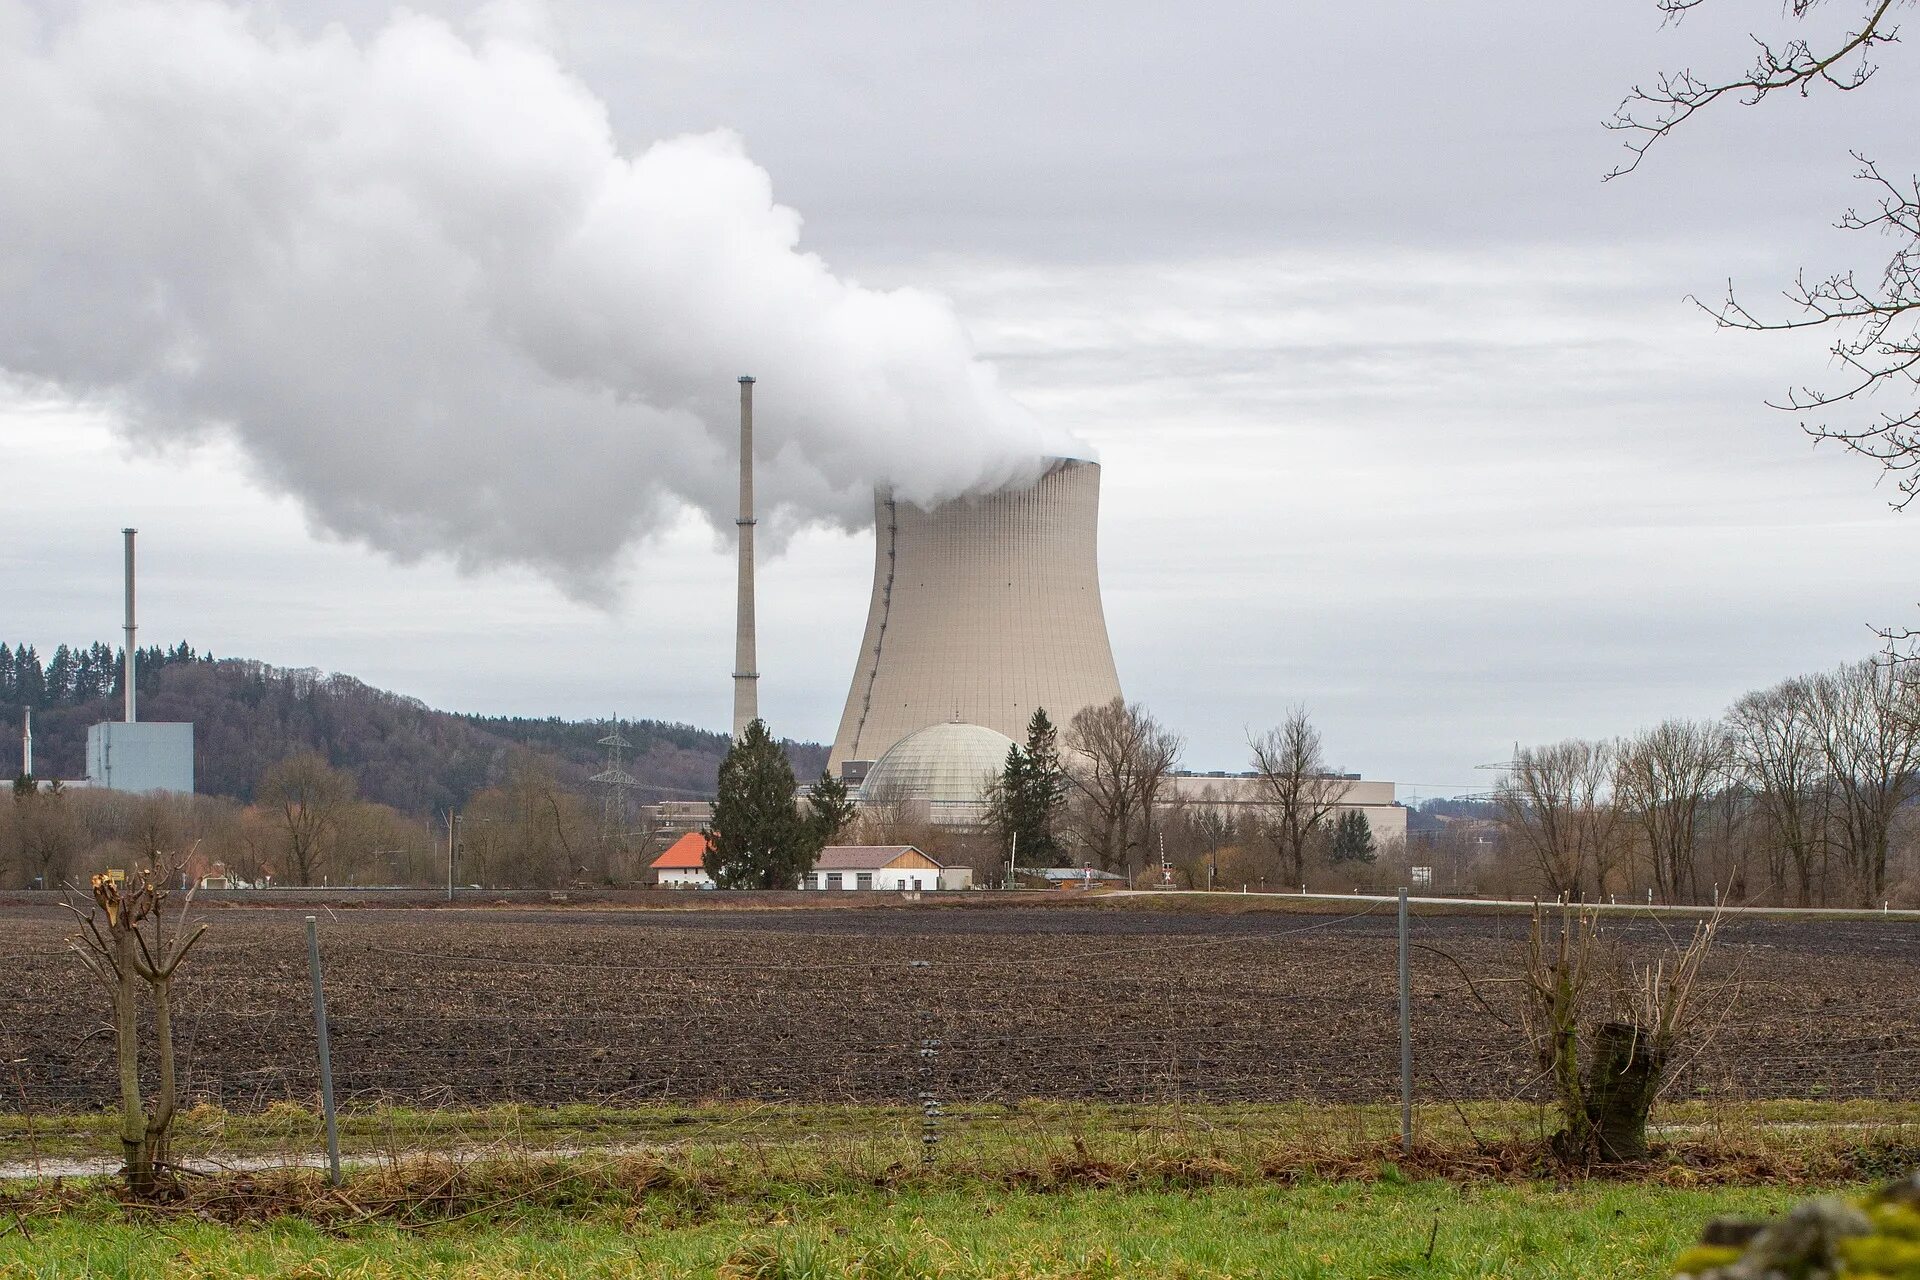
929 1051
326 1052
1406 1035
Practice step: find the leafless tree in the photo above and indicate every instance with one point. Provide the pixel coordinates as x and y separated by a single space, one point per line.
307 795
1877 341
124 942
46 836
529 832
1556 809
1870 733
1778 749
1118 759
1646 1010
1298 791
1664 779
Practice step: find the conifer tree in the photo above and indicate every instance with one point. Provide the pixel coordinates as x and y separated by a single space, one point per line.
758 840
829 810
1024 800
1353 838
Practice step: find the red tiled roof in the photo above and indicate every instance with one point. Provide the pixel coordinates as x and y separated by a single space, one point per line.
864 857
684 854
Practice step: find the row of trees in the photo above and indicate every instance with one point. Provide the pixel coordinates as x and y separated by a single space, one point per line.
308 825
1803 793
84 673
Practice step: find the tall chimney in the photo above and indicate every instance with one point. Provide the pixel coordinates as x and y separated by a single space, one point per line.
130 629
26 746
746 673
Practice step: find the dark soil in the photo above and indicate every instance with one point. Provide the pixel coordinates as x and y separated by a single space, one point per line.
574 1004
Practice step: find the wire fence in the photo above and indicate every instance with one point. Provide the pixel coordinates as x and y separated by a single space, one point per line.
944 1016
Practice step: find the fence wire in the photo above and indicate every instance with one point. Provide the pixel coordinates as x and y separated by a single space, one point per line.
838 1006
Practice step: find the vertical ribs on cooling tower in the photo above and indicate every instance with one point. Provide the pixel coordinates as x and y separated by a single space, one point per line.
982 609
887 548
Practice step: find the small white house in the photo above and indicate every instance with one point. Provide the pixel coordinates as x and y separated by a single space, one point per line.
882 866
683 865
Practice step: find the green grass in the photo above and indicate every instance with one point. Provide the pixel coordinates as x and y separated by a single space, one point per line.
1038 1190
1311 1229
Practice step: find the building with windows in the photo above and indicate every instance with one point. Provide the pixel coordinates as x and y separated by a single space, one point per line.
682 866
884 867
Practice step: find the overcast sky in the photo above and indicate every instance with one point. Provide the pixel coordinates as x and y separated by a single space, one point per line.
1402 412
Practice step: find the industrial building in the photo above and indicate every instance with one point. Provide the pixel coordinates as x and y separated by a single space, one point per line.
127 755
1385 816
983 609
132 756
938 774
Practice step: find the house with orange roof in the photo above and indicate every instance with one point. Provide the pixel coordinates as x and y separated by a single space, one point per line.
682 865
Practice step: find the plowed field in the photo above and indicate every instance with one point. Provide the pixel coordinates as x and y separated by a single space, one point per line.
571 1004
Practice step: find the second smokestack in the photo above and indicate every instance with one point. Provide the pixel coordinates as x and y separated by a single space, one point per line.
746 673
130 627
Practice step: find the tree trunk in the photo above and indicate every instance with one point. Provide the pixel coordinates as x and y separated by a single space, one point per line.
1621 1082
126 1034
160 1121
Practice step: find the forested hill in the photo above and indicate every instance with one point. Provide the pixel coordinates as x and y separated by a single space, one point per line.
247 715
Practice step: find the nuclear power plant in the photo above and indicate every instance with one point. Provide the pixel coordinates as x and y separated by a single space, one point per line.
983 609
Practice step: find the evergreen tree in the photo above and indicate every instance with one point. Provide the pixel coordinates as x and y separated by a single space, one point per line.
758 839
29 681
1024 800
1353 838
829 810
7 690
60 677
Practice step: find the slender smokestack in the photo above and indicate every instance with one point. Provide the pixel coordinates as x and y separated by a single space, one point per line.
746 669
26 746
129 535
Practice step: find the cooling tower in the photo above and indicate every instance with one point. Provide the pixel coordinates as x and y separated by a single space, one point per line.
983 609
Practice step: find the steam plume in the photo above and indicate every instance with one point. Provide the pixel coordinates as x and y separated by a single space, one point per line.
414 276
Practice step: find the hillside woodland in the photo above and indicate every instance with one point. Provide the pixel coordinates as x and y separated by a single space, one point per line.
370 773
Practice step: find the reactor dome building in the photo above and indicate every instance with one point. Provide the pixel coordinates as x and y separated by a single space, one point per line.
983 609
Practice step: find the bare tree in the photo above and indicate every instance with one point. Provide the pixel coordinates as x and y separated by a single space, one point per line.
307 795
1118 760
1778 749
1298 792
1871 736
1555 808
1645 1010
1877 341
46 835
1664 779
124 943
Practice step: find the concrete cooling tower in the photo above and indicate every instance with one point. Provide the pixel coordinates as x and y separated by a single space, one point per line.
983 609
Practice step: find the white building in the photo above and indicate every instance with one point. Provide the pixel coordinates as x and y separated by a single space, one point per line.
682 866
882 867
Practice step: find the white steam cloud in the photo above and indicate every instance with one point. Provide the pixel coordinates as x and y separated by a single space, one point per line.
415 277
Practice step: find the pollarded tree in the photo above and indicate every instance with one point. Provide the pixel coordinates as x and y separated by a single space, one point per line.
758 839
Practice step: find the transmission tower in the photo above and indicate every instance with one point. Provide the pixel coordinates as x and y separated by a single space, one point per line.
617 781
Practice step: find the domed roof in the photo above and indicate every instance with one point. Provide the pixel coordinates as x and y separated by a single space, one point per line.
942 764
